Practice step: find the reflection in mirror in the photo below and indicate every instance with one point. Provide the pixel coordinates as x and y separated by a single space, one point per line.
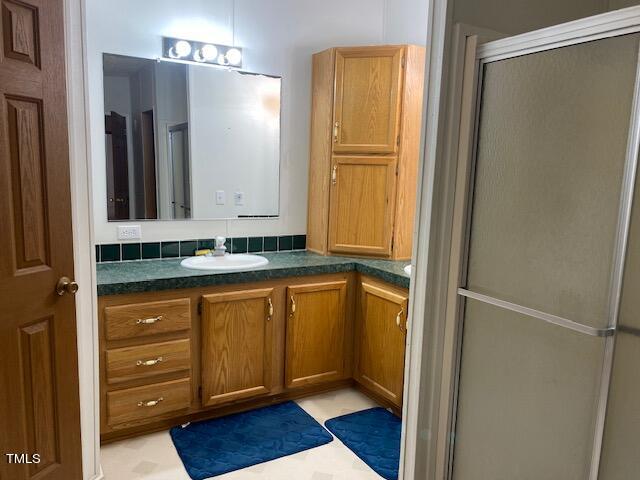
189 141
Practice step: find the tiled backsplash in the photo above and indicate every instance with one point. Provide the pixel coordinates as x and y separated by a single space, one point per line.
115 252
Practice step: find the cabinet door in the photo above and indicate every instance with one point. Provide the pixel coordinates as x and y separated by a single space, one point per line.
362 205
367 99
316 320
236 345
380 340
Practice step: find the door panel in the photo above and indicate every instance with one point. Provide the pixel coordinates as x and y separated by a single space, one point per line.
236 345
551 151
380 340
316 330
620 459
528 398
117 167
362 205
39 402
367 99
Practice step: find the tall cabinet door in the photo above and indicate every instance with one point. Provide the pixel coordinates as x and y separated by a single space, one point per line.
236 345
367 99
316 330
362 205
380 340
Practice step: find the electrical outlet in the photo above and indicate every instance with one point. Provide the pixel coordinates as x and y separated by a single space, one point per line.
129 232
238 197
220 200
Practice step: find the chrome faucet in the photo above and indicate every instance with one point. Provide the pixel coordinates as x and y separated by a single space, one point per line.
219 249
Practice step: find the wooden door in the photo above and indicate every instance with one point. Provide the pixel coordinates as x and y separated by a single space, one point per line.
147 134
117 168
367 99
362 201
237 337
380 339
39 403
316 329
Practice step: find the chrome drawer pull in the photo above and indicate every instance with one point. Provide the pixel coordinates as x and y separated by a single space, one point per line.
149 363
150 403
148 321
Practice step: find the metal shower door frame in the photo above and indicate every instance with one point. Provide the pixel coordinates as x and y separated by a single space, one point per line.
573 33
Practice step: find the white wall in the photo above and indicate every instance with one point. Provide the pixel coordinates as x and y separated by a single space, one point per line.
278 37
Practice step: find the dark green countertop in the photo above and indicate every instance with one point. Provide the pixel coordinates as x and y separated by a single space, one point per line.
167 274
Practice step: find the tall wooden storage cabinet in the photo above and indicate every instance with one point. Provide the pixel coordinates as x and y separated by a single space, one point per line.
365 140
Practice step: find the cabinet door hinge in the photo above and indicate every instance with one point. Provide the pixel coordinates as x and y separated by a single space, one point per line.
398 140
393 238
402 61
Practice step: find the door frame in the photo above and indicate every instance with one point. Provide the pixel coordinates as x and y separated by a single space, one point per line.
428 428
83 237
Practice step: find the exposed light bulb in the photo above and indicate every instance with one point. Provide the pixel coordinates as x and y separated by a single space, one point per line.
234 56
182 48
209 52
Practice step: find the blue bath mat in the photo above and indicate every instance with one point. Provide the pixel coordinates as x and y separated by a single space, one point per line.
225 444
374 436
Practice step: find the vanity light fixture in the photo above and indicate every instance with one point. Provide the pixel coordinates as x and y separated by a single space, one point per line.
201 52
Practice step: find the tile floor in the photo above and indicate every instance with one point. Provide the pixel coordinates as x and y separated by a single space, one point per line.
153 457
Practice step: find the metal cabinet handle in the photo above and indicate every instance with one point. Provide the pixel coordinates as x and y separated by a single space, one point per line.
334 174
336 128
399 318
149 363
150 403
148 321
270 308
293 305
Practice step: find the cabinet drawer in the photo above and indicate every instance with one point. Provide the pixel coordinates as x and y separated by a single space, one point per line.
142 361
140 403
140 319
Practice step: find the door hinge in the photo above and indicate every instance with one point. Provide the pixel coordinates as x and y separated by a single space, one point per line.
402 61
398 140
393 238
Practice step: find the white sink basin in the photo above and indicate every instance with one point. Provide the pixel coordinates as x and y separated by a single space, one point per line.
407 270
227 263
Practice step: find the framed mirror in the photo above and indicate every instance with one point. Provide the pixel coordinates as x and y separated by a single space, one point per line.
187 141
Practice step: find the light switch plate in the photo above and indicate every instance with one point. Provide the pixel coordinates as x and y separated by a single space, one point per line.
238 197
129 232
220 200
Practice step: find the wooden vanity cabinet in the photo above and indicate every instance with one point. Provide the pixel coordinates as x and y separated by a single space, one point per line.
380 337
237 341
316 334
364 149
175 356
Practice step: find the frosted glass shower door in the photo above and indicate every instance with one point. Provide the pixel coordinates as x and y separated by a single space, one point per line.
543 227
